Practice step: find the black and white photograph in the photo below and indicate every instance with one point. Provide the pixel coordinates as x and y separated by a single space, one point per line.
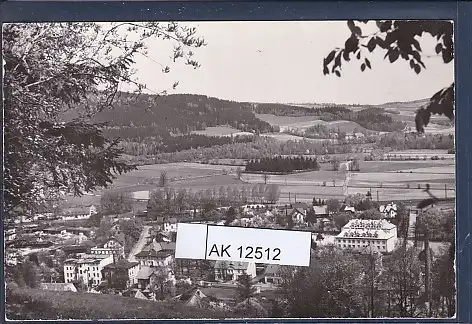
229 170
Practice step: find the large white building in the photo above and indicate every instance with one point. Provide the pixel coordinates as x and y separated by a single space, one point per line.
86 268
360 233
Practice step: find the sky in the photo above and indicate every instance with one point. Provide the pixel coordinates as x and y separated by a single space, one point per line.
282 62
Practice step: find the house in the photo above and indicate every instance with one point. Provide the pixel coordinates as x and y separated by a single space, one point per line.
155 258
159 246
192 298
170 225
231 271
86 268
148 277
350 209
359 233
298 215
116 271
113 246
59 286
272 274
389 211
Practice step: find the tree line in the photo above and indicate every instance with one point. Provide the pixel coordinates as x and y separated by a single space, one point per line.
170 144
282 164
164 202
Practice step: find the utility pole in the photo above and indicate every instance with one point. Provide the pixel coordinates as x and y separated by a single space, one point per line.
289 199
445 191
377 196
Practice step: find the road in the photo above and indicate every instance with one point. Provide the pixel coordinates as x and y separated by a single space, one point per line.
140 244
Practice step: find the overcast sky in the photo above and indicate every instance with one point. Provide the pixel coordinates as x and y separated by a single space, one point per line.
282 62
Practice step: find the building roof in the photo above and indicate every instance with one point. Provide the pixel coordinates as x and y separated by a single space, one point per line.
301 205
87 258
144 272
366 228
121 264
162 254
159 246
236 265
297 210
320 210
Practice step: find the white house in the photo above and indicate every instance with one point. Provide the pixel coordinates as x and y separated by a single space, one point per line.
359 233
131 269
87 268
170 226
298 215
231 271
153 258
389 211
111 247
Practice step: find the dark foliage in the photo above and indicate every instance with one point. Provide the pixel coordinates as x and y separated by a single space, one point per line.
282 164
399 39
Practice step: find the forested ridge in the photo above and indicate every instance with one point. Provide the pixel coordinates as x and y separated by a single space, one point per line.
372 118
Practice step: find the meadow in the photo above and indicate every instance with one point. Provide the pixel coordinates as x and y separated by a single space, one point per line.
393 180
27 304
221 131
302 123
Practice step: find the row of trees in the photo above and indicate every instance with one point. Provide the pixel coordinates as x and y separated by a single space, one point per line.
282 164
169 201
264 147
168 144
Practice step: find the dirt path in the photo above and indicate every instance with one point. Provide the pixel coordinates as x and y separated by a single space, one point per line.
140 244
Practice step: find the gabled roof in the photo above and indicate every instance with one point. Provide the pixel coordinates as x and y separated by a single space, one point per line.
159 246
162 254
144 273
295 211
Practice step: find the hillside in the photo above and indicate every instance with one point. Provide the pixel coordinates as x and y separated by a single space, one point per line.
180 114
24 304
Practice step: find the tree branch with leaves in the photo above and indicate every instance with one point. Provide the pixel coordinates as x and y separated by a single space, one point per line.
399 40
57 77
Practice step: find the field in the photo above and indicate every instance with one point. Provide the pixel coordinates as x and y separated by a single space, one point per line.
301 123
288 137
221 131
391 180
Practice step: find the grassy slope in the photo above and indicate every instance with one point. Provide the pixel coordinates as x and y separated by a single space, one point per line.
40 304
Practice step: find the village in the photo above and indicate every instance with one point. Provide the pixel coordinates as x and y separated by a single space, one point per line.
74 258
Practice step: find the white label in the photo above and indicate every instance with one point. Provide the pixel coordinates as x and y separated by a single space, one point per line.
269 246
